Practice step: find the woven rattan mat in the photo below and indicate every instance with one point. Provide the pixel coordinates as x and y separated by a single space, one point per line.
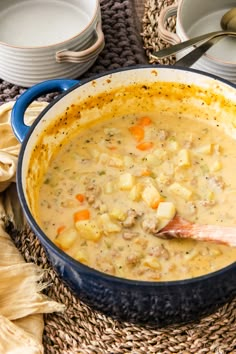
151 40
80 329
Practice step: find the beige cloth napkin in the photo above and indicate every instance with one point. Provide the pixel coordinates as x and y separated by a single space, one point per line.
21 302
9 145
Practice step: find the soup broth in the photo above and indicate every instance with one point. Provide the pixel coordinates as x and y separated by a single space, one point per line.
110 189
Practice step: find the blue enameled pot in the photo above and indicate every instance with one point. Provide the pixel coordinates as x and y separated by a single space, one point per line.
159 303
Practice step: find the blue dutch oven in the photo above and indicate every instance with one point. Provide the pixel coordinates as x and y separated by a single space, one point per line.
159 303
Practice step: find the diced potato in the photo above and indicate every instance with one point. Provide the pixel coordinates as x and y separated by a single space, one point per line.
151 196
111 131
88 229
135 192
103 208
205 149
108 243
193 253
113 161
126 181
117 214
160 153
210 196
66 238
116 161
142 242
184 158
173 145
180 191
162 179
216 166
109 187
81 256
95 154
168 168
151 262
215 252
182 177
108 225
69 203
152 159
166 210
163 223
217 149
103 158
128 161
165 213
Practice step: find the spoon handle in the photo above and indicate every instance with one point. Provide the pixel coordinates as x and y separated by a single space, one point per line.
190 58
163 53
181 228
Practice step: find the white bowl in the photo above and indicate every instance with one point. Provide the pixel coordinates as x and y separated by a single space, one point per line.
48 39
195 18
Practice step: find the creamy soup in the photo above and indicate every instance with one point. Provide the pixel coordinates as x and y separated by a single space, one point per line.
108 192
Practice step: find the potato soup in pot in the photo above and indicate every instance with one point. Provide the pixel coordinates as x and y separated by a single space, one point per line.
110 189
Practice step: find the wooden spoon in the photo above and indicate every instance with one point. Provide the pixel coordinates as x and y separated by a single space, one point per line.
181 228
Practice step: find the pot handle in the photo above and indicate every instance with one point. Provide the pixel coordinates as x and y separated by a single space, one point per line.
86 55
164 34
19 128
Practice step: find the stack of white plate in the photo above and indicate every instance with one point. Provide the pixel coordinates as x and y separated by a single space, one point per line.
48 39
195 18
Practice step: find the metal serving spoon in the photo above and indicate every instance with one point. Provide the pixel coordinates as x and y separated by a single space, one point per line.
228 24
190 58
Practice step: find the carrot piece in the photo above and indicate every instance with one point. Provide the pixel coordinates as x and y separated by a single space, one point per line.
137 132
60 229
82 215
112 147
146 173
80 197
155 204
145 146
144 121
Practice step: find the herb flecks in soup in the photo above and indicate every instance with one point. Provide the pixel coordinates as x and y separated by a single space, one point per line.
111 188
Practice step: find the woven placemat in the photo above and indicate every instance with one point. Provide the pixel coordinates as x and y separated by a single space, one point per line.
80 329
152 42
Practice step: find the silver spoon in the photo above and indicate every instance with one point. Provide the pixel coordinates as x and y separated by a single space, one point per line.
190 58
228 23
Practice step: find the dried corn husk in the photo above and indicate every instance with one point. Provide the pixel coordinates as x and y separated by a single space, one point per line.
10 209
32 324
21 302
8 255
15 340
9 146
20 288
